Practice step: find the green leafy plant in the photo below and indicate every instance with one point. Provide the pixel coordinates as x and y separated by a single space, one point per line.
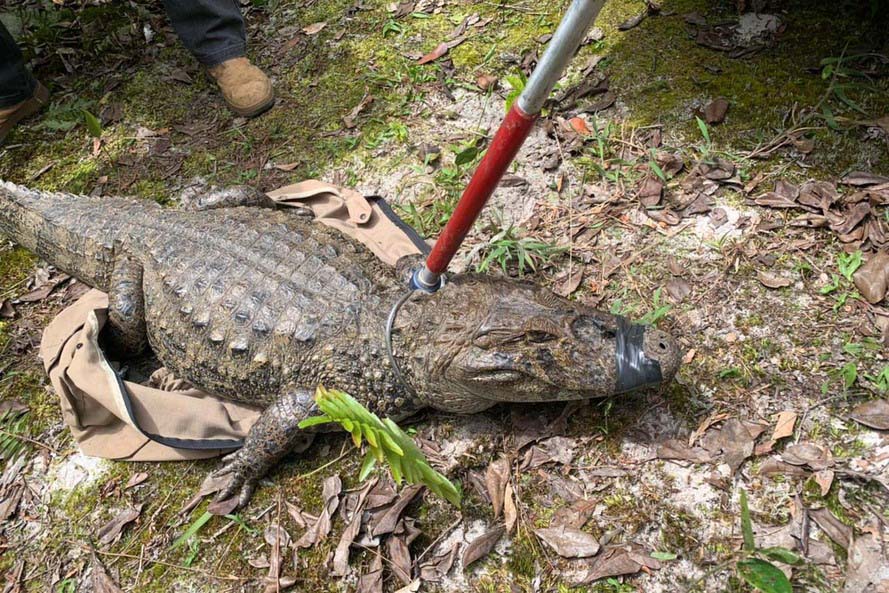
755 567
392 27
705 133
849 373
881 379
61 117
507 248
848 263
192 529
659 311
93 125
841 284
653 165
517 84
385 440
843 77
14 424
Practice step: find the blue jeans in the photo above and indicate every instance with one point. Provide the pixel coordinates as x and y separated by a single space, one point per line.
212 30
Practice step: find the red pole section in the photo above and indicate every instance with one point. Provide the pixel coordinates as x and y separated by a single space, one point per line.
509 138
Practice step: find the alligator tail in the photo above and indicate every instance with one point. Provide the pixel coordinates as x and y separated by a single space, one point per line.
76 234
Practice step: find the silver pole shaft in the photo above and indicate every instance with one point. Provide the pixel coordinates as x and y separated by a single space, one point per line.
559 52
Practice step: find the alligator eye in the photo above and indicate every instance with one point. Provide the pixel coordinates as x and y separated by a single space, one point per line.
493 338
539 337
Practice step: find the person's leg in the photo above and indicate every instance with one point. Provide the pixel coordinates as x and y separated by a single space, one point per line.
20 94
212 30
16 83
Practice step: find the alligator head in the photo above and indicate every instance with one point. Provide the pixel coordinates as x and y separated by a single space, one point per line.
496 339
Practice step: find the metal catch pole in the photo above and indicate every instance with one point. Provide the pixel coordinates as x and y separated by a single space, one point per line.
508 140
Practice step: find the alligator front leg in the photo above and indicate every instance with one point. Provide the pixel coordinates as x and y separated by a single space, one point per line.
274 435
125 331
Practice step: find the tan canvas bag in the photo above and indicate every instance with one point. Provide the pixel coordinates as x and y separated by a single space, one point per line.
118 419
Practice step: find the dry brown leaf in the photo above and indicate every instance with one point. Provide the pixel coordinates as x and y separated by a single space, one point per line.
399 557
775 467
851 218
572 280
482 545
862 178
112 529
496 478
575 515
372 580
411 587
135 480
439 565
867 570
223 507
714 112
612 563
286 166
341 555
314 28
651 190
669 163
381 495
510 513
7 311
390 517
486 81
705 425
569 542
349 120
836 530
733 441
783 428
665 216
807 453
436 53
874 414
872 279
102 583
770 280
678 289
319 530
632 22
579 125
12 407
676 449
10 502
44 290
824 479
718 170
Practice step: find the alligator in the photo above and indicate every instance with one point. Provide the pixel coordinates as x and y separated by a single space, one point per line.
260 306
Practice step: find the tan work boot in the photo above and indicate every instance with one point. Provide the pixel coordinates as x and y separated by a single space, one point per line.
10 116
246 88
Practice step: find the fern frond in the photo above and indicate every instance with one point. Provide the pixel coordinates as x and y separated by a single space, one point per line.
386 441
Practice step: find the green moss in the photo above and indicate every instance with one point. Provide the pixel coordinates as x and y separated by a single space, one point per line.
679 531
15 266
663 76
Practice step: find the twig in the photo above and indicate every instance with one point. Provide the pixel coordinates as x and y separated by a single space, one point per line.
441 536
326 465
30 440
162 563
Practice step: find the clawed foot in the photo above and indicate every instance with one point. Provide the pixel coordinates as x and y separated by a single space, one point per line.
242 480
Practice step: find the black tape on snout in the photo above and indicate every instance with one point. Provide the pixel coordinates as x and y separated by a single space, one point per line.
634 369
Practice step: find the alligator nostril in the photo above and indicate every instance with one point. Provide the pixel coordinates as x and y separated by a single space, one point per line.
662 346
